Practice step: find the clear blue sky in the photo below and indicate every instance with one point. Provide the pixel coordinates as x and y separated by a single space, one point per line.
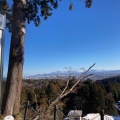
76 38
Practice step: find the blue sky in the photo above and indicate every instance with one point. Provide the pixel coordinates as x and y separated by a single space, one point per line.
76 38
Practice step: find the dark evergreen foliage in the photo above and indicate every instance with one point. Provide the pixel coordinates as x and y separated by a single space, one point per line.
34 10
112 85
89 96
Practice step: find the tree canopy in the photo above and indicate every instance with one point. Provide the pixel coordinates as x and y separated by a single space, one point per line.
34 10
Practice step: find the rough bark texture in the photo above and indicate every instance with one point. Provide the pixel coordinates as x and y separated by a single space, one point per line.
11 100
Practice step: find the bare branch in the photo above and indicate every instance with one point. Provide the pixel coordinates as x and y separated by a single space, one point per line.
63 94
66 85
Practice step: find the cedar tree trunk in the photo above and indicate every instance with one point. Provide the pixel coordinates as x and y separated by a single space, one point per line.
11 99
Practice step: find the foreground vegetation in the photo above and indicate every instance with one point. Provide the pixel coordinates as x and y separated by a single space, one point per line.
89 96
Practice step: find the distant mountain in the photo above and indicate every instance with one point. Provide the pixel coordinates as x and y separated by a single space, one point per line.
102 74
97 74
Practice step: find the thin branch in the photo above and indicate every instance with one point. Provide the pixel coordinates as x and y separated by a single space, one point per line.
66 85
63 94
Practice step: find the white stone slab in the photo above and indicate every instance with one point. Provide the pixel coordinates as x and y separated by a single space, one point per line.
9 117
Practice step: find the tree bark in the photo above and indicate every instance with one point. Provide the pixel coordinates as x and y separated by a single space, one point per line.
11 99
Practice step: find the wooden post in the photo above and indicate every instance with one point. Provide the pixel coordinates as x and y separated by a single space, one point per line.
102 114
26 109
55 112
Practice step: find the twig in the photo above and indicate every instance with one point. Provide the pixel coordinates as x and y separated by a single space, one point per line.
63 94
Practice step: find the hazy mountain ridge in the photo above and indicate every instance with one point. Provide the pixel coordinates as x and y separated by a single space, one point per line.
97 74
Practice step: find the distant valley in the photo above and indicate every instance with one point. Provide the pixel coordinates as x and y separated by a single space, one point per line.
97 74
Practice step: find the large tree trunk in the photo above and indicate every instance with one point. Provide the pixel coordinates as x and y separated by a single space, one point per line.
11 100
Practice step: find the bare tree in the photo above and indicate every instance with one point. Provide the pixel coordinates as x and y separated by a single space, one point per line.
66 91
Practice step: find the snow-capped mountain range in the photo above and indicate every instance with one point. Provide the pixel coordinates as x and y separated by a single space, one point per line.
97 74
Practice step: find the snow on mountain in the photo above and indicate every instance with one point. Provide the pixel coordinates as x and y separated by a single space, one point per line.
97 74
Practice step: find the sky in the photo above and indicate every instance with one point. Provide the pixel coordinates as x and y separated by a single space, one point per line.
75 39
